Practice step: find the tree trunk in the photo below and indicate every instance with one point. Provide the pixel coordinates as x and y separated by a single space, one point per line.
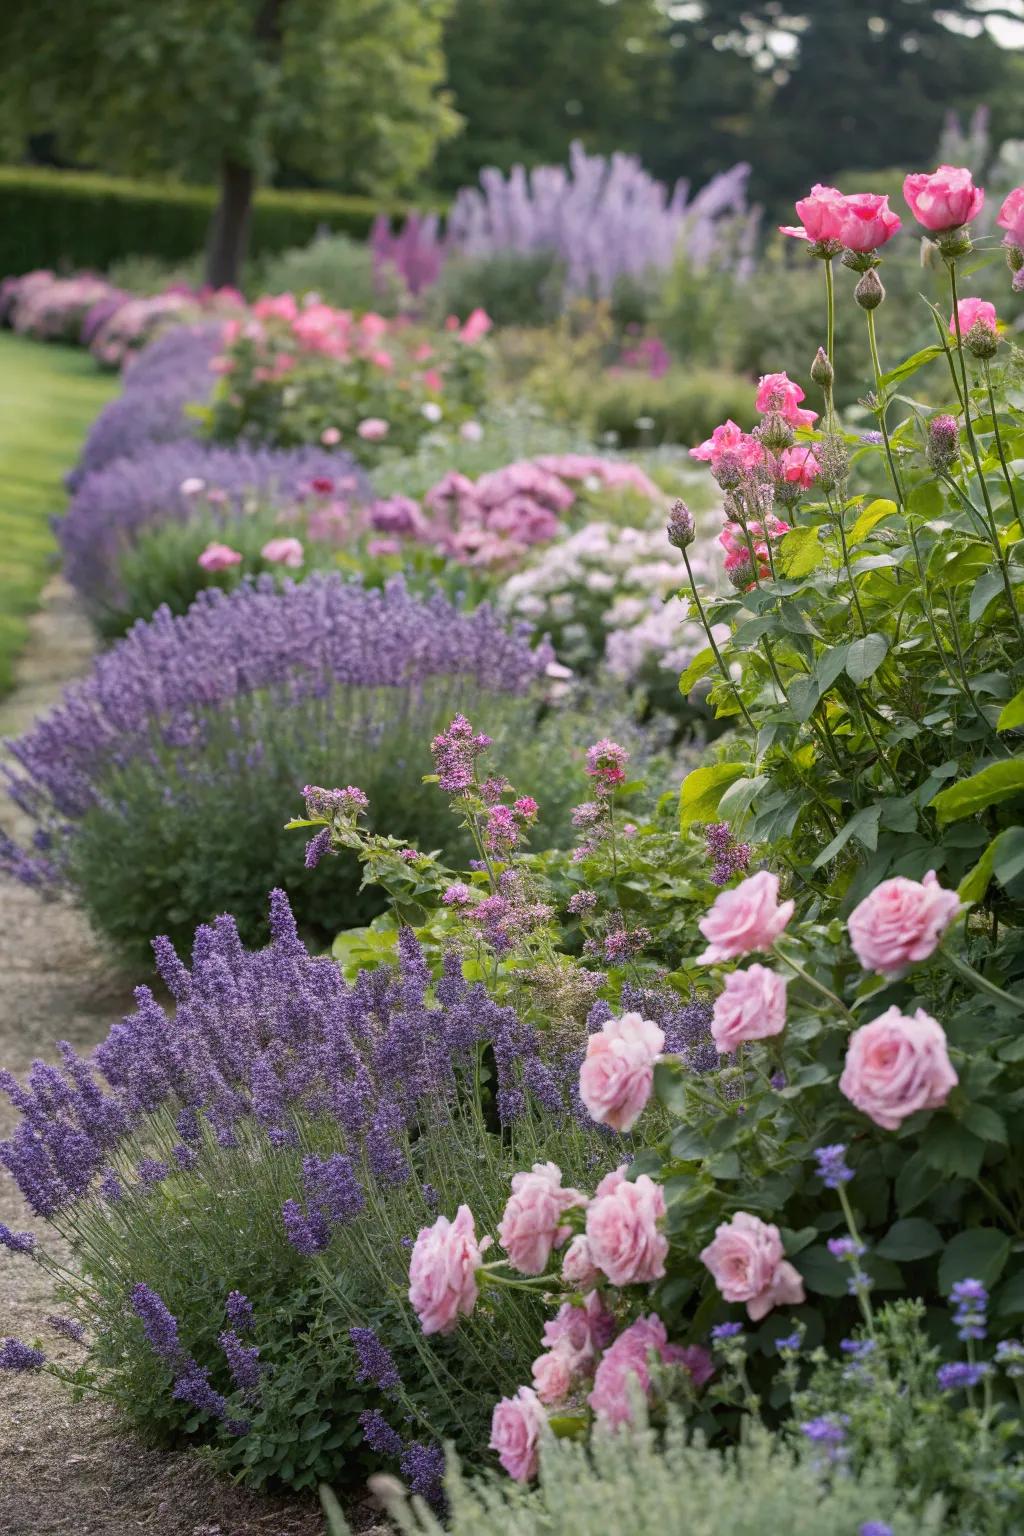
229 226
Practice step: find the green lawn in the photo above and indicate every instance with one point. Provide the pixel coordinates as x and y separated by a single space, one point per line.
48 398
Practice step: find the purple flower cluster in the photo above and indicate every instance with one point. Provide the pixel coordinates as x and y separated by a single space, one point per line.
970 1300
376 1363
960 1375
832 1168
16 1356
728 858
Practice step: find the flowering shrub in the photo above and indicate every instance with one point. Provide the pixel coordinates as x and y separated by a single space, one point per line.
52 308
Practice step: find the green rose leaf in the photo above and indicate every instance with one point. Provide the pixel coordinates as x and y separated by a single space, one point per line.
913 1238
999 781
978 1254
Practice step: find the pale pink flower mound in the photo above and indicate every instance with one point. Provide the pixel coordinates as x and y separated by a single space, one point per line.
747 918
373 429
532 1224
1011 217
283 552
617 1075
945 199
752 1007
626 1242
218 557
516 1425
897 1065
868 222
901 923
821 213
747 1263
578 1267
442 1271
973 312
626 1366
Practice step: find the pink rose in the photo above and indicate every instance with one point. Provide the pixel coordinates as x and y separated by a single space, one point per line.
868 221
746 918
516 1425
622 1229
752 1007
580 1333
798 466
901 923
896 1066
578 1267
330 436
373 429
778 392
626 1367
973 312
218 557
532 1223
945 199
552 1377
476 326
283 552
442 1271
821 214
747 1264
730 439
1011 217
618 1072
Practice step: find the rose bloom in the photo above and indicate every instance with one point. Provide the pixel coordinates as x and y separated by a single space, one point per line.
945 199
901 923
626 1367
1011 217
373 429
580 1333
218 557
821 214
618 1073
868 222
471 431
798 466
622 1229
330 436
442 1271
729 438
516 1425
973 312
778 392
192 486
476 326
578 1268
896 1066
747 1264
283 552
752 1007
532 1223
746 918
552 1377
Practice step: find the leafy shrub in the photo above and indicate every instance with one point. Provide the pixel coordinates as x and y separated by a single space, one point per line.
339 270
514 288
145 275
682 406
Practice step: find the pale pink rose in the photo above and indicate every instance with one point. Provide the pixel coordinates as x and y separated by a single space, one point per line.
626 1366
476 326
973 312
729 439
868 221
283 552
626 1242
778 392
442 1271
618 1072
552 1377
752 1007
747 918
373 429
901 923
218 557
471 431
1011 217
580 1333
896 1066
192 486
281 306
798 466
532 1224
516 1425
330 436
747 1263
821 216
578 1268
943 200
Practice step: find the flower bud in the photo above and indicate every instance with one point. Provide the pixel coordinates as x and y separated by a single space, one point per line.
733 510
981 340
869 292
742 573
1018 281
833 462
775 432
729 471
943 442
681 528
822 371
954 242
1014 258
859 261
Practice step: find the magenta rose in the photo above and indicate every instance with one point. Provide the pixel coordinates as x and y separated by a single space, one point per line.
778 392
798 466
901 923
625 1240
747 1263
1011 217
868 222
752 1007
747 918
532 1224
729 439
897 1065
516 1425
442 1271
972 312
821 215
626 1367
945 199
617 1074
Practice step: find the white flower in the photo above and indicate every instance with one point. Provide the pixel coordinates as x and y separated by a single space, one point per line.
192 486
431 411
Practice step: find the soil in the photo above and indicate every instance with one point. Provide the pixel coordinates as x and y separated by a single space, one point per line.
66 1469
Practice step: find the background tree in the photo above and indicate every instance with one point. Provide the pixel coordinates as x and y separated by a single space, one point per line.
345 92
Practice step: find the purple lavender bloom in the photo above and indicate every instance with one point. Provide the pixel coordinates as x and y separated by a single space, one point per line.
789 1343
243 1362
422 1466
726 1331
186 1158
111 1187
192 1385
332 1186
16 1356
845 1249
376 1362
832 1169
875 1528
970 1300
67 1327
158 1324
317 847
828 1430
378 1434
307 1234
1010 1355
959 1375
240 1312
152 1171
17 1242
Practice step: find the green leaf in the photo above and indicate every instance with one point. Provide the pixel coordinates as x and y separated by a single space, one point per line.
986 1123
985 590
1011 716
739 797
978 1254
1009 1302
915 1182
801 551
699 667
702 790
1004 858
999 781
803 697
821 1271
910 365
872 514
914 1238
829 665
670 1088
952 1149
865 657
863 826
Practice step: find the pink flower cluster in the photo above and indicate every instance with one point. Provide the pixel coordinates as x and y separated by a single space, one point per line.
738 563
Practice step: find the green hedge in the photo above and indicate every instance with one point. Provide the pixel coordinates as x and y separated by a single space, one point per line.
73 219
